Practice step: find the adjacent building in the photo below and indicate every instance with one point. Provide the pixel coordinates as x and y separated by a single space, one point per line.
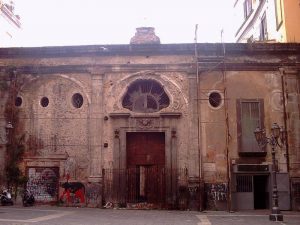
150 125
267 20
10 24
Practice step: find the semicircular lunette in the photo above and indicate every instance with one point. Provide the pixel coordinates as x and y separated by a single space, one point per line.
145 96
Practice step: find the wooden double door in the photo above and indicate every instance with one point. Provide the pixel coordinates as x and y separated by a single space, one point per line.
146 175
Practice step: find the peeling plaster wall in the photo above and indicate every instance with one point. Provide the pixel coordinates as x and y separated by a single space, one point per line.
59 128
82 141
292 87
3 137
255 85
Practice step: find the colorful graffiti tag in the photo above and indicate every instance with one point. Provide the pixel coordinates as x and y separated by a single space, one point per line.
43 183
73 194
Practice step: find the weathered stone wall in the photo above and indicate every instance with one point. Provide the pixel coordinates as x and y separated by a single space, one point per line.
81 141
3 137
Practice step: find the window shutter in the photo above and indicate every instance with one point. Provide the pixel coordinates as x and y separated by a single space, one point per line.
249 116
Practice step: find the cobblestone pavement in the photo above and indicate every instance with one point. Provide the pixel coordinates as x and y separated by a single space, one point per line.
48 215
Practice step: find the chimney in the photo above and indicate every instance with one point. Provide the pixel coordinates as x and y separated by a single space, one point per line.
144 35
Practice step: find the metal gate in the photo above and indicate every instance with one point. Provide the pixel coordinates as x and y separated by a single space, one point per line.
43 183
145 187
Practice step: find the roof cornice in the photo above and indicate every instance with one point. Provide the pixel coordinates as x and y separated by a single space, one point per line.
215 49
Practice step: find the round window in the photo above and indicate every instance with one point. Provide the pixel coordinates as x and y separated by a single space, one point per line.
18 101
215 99
77 100
44 102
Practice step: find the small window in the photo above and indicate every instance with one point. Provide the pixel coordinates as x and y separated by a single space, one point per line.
278 9
263 28
215 99
44 102
18 101
77 100
247 8
243 183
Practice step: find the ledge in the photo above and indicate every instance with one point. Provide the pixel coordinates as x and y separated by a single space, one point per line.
119 115
170 114
95 179
47 157
253 154
146 115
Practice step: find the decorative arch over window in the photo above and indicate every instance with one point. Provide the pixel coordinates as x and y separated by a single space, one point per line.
145 96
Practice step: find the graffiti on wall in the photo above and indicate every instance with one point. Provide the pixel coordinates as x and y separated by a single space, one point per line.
215 194
93 194
73 193
43 183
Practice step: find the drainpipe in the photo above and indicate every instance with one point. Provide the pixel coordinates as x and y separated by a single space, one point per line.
198 121
285 128
285 119
226 128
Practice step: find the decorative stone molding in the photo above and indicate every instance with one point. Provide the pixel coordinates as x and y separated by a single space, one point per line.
117 133
173 87
145 123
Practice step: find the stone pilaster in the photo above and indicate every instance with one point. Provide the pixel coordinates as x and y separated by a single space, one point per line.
193 152
96 118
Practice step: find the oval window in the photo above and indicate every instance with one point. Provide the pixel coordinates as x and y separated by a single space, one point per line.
44 101
77 100
18 101
215 99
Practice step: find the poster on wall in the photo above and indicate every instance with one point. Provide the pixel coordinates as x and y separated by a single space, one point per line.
43 183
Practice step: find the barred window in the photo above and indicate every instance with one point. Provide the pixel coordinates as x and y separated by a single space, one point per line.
244 183
145 96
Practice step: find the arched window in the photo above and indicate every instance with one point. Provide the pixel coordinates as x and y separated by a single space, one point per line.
145 96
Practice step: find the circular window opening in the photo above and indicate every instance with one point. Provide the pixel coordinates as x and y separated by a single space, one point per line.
44 102
77 100
18 101
215 99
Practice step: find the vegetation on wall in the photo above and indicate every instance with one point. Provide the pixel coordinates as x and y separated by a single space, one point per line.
15 139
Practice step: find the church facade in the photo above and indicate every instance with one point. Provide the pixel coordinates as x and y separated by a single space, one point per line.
153 125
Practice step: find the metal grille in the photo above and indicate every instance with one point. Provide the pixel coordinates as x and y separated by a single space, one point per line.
250 119
151 185
145 96
244 183
43 183
296 190
296 193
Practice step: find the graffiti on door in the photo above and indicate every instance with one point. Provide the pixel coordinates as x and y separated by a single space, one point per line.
43 183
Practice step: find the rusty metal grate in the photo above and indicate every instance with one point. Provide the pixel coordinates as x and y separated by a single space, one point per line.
155 185
244 183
